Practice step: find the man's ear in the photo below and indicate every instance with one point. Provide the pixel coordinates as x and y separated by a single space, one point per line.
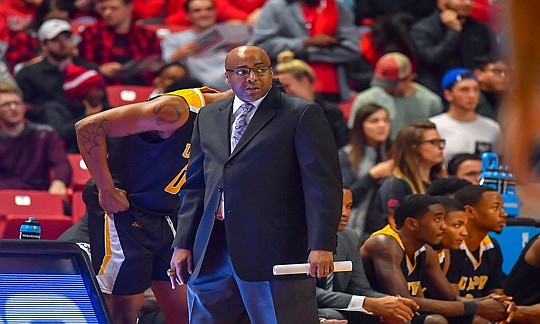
471 212
411 223
448 95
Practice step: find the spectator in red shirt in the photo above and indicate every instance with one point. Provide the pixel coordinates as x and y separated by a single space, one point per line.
115 40
24 45
15 15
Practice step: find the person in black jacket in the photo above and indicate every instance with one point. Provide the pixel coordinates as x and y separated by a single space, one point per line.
85 95
449 39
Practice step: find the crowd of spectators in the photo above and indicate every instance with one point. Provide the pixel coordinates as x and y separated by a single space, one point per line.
412 89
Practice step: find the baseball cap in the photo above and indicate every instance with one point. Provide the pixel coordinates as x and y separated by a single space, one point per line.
456 75
79 81
390 69
52 28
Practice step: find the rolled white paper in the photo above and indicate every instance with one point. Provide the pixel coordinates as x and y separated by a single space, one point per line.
303 268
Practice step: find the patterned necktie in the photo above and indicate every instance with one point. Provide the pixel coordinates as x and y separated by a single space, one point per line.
241 123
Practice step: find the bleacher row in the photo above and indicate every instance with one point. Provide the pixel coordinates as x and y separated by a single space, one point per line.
17 205
48 209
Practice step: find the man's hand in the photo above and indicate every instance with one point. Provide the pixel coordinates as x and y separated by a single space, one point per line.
113 200
321 263
110 69
181 262
451 20
382 169
185 50
511 307
58 187
321 40
392 309
492 309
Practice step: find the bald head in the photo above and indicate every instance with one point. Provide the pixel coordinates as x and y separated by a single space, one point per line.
246 50
248 72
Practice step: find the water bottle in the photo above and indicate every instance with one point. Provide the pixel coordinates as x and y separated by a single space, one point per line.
30 230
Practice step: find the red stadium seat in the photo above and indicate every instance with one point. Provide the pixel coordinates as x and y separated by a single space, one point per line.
28 202
52 226
17 205
119 95
80 173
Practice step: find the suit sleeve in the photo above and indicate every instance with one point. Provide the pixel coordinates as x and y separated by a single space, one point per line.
332 299
192 195
317 157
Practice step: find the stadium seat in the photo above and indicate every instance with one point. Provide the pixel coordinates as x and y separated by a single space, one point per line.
17 205
52 226
28 202
80 174
119 95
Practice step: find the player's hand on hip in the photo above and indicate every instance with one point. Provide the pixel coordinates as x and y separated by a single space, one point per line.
321 263
114 200
181 263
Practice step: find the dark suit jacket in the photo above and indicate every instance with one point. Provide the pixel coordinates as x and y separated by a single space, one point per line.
346 284
282 185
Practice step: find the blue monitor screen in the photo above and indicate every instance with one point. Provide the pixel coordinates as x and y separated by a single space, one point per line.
47 282
44 298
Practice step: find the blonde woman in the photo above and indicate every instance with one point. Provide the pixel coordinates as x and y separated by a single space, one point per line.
297 78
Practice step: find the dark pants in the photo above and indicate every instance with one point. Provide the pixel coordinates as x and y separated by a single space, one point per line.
218 295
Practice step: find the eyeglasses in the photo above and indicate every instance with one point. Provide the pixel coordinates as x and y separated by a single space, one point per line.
11 104
243 72
435 142
499 72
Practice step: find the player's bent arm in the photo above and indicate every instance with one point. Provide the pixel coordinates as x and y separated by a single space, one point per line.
385 254
163 115
443 289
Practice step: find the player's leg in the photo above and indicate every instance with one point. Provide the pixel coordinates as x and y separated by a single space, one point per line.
173 302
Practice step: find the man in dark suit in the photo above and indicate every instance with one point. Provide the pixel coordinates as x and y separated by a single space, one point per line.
263 188
348 295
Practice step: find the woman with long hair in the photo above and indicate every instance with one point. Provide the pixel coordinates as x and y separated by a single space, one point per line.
364 162
418 155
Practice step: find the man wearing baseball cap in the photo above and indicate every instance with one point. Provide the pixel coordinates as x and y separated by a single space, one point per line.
392 87
42 80
465 131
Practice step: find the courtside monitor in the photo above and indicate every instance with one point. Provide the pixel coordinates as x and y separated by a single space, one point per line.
48 282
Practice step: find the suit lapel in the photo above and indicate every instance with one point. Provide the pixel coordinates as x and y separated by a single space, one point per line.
265 112
223 127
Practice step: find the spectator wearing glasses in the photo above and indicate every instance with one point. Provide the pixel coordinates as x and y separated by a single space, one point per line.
392 87
464 129
417 152
30 152
492 74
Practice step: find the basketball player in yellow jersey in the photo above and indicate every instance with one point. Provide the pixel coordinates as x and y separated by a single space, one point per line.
133 205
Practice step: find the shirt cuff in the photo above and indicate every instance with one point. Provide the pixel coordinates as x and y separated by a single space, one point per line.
357 303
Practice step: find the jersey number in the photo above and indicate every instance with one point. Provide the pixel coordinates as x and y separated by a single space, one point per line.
176 184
